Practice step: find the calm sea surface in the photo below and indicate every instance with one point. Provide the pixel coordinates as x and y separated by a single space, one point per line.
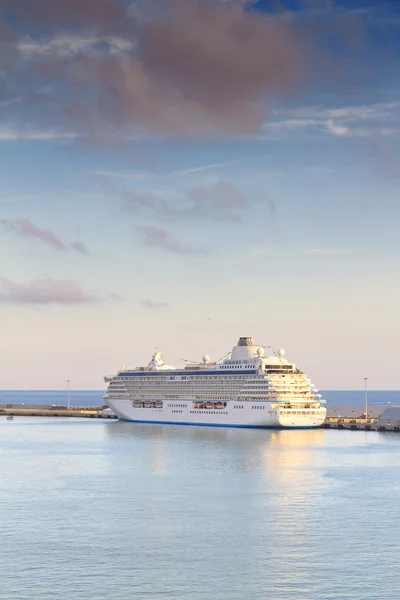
95 397
93 509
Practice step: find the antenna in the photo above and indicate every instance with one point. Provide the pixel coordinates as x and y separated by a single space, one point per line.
193 362
275 353
225 356
266 346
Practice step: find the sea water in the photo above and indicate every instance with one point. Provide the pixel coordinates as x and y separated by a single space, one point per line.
106 510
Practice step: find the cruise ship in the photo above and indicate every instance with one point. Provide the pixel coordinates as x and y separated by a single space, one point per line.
247 389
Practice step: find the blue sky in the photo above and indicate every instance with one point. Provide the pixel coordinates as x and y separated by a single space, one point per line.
289 232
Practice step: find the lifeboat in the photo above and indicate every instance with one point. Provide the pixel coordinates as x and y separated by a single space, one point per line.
159 404
209 405
137 404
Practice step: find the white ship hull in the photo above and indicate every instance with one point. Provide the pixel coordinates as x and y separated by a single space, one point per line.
234 414
245 390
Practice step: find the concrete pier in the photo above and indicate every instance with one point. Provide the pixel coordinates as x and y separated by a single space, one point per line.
358 424
353 411
43 410
350 423
338 417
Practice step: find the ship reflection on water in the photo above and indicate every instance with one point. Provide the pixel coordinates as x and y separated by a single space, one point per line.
266 486
277 453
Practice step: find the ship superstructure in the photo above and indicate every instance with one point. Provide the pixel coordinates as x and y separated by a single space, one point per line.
248 389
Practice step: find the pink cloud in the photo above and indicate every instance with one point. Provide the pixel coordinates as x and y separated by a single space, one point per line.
154 304
221 201
42 291
176 67
71 16
26 229
153 236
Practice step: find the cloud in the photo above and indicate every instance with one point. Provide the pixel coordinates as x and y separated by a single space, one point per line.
148 201
26 229
382 13
222 201
134 175
154 304
42 291
337 129
13 133
171 68
202 168
374 112
362 120
153 236
9 102
167 175
67 46
178 173
74 17
79 247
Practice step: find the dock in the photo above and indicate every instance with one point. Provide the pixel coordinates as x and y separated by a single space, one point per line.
358 424
374 422
30 410
379 418
350 423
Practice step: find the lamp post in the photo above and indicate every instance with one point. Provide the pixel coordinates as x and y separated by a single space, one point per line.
69 396
366 398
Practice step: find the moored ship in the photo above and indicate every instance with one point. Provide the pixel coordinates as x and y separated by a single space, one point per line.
248 389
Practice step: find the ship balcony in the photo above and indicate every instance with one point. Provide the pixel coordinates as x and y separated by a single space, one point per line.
300 417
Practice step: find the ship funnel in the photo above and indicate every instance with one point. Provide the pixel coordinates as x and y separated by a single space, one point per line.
245 349
246 341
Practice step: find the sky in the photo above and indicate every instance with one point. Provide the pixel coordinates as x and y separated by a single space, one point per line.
180 173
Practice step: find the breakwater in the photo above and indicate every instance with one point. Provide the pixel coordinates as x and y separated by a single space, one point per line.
343 417
358 424
45 410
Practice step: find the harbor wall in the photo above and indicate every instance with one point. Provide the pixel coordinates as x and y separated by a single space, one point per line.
332 411
353 411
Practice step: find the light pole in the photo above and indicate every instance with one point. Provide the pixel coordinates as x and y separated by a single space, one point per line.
69 396
366 398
